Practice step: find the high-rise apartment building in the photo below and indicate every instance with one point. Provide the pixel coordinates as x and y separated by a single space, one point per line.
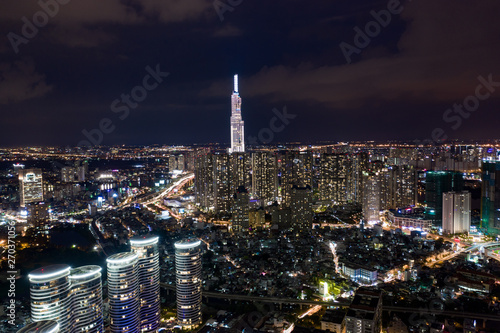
240 213
188 282
372 201
50 292
301 208
237 123
123 292
148 270
264 178
30 186
365 312
490 197
456 212
71 297
437 183
333 178
295 168
86 299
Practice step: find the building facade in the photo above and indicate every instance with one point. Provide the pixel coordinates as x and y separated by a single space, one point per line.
123 292
188 282
456 212
148 270
30 186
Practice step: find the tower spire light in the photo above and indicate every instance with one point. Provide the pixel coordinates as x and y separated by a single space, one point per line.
236 83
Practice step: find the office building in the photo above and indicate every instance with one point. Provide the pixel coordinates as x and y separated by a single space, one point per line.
86 299
490 197
437 183
123 292
264 178
365 312
204 181
301 208
30 186
223 194
240 220
237 123
188 282
456 212
44 326
148 270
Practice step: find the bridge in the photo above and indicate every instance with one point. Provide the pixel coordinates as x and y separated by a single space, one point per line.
281 301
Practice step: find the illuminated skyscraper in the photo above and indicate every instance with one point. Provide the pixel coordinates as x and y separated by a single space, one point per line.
437 183
456 212
30 186
71 297
490 197
86 300
237 123
148 270
123 292
301 207
188 282
240 215
45 326
50 294
264 177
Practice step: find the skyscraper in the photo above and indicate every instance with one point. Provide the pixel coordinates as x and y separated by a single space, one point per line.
237 123
372 201
30 186
240 215
71 297
456 212
490 197
123 292
264 177
86 299
437 183
50 292
148 270
333 174
301 207
295 169
45 326
188 282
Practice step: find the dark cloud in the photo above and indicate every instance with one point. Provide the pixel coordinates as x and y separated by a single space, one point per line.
286 52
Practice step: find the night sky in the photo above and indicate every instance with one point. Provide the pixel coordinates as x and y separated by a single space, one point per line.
399 84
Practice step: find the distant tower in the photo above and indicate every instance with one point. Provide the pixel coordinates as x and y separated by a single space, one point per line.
50 294
237 124
30 186
188 282
148 270
45 326
123 292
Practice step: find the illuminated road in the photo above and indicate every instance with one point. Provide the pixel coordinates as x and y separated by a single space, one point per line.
166 192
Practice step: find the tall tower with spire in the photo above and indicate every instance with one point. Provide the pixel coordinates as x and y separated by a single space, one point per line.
237 123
